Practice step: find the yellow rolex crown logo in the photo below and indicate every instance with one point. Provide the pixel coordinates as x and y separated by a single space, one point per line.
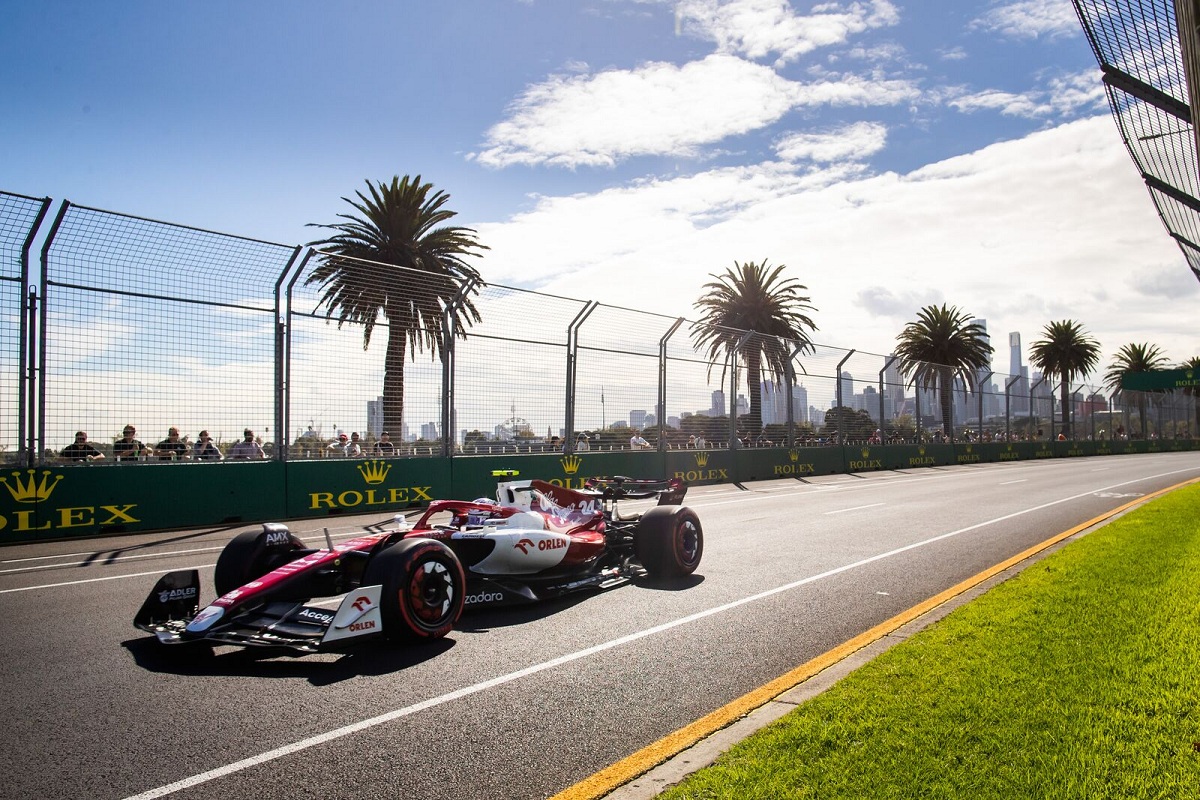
866 451
793 455
374 471
702 458
29 490
571 464
969 448
921 450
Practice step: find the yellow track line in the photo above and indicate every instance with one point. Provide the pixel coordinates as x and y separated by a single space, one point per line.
632 766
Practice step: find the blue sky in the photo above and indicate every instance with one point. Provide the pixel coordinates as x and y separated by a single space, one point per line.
892 154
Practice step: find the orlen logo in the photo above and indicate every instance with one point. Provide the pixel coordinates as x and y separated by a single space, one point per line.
361 604
484 597
522 545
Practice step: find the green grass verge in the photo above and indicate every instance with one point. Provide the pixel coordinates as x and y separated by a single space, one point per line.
1078 678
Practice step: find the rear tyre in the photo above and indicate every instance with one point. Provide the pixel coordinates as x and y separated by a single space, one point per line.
669 541
423 589
252 554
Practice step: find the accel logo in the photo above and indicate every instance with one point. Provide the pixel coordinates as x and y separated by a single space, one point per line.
27 489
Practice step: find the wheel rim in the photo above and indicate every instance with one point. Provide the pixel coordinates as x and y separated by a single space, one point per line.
688 536
431 593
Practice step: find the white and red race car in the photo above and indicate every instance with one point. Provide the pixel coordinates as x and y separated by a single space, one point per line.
535 541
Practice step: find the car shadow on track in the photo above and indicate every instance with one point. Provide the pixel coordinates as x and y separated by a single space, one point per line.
321 669
484 619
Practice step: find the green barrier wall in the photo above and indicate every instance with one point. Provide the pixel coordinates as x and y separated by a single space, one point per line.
89 500
472 475
760 464
330 487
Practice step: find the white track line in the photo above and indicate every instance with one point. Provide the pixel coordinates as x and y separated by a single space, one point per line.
476 688
856 508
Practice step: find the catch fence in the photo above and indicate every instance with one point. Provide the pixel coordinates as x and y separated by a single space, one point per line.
139 322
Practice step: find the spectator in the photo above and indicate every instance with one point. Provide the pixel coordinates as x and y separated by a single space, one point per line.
204 449
81 450
700 441
354 449
246 449
340 445
555 444
128 448
581 443
636 442
385 446
170 448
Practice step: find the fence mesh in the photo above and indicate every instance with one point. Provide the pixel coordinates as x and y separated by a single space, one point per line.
156 326
159 326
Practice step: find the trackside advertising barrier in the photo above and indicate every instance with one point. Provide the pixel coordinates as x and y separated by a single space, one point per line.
72 501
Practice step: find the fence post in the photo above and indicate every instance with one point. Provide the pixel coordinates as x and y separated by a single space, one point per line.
283 343
662 383
572 373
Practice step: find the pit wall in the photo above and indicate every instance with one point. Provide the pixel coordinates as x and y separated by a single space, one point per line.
72 501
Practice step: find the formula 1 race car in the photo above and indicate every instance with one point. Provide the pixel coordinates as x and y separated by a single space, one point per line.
535 541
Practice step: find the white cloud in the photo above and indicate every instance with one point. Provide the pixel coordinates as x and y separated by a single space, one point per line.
1065 96
853 142
758 28
661 109
1030 19
1055 225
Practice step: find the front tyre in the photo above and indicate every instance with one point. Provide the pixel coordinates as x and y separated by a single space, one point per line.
423 589
669 541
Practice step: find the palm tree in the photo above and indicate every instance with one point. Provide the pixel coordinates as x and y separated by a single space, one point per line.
1066 351
941 345
1134 358
399 260
755 298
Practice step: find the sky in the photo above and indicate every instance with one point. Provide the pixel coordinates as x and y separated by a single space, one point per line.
891 154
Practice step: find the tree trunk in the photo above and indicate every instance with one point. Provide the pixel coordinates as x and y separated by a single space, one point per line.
754 389
946 396
1066 408
393 381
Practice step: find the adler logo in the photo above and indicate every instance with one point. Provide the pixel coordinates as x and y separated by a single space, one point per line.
186 593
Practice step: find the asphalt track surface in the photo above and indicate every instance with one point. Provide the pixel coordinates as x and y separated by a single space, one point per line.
516 703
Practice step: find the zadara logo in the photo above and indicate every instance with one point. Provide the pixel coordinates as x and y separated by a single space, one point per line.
374 473
570 464
28 489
